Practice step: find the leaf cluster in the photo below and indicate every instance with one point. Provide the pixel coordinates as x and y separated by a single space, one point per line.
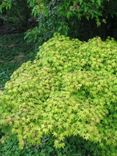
70 89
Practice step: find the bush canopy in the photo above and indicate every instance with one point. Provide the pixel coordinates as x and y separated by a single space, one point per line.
70 89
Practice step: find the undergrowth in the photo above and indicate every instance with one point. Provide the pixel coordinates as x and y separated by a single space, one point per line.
13 52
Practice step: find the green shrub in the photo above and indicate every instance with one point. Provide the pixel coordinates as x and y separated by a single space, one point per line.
71 17
62 16
70 89
68 8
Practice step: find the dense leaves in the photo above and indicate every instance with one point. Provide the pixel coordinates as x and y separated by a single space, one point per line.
63 16
68 90
76 18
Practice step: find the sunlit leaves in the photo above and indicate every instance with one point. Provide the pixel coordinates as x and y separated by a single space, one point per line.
70 89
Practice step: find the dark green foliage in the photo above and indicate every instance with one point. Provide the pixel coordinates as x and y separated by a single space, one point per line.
47 25
76 18
63 16
13 52
19 20
75 146
70 89
15 14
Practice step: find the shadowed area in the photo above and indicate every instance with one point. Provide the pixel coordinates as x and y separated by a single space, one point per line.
13 52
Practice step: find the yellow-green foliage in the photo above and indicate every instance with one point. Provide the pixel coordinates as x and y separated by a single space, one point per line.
70 89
